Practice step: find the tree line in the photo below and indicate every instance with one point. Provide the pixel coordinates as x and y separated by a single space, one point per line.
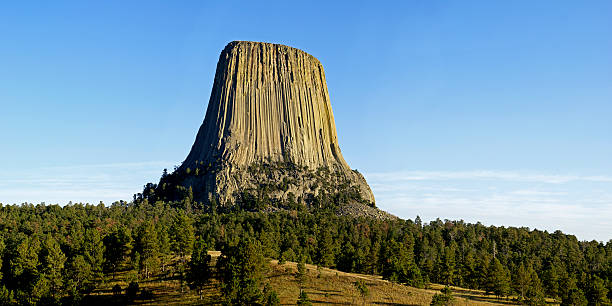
58 255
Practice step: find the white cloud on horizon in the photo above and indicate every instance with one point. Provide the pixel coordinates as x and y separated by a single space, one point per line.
90 183
576 204
485 175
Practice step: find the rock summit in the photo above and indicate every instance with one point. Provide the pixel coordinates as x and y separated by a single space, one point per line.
269 131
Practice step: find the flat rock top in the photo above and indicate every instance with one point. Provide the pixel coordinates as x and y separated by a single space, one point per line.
238 44
269 104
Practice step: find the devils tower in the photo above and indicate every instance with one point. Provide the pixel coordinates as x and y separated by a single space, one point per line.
269 134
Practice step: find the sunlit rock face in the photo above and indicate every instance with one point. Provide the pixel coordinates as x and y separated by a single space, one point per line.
269 120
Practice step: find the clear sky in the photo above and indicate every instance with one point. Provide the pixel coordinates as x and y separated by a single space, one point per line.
490 111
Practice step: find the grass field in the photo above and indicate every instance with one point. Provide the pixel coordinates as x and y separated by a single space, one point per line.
323 286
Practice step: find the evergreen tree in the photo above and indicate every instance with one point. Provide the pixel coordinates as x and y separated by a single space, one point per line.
325 249
182 235
53 267
498 279
270 298
93 251
468 269
164 246
79 278
535 293
118 245
147 246
241 269
303 299
521 281
575 297
6 296
398 264
448 266
301 273
24 274
363 289
596 292
199 267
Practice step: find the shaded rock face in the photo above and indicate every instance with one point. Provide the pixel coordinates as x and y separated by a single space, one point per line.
269 120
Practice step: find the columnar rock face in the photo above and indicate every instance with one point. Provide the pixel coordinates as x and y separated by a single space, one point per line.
269 106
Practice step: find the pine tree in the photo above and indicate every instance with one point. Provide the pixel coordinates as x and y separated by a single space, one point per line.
596 292
325 249
118 244
535 293
24 270
448 266
270 298
398 263
301 273
521 281
147 246
574 297
53 267
199 267
468 270
303 299
164 245
79 277
363 289
93 251
241 269
498 279
182 235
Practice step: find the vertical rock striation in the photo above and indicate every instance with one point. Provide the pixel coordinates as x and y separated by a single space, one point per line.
269 106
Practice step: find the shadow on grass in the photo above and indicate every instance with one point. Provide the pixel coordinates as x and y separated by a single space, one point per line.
388 303
489 299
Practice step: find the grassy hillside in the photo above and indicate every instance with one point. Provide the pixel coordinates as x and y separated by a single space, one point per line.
323 286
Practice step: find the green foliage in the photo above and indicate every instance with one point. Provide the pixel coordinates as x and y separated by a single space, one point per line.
270 298
147 246
53 268
199 267
6 296
596 291
301 272
535 292
51 253
575 297
241 269
362 288
303 299
498 279
80 277
440 299
93 251
398 263
118 245
521 281
325 249
446 290
182 234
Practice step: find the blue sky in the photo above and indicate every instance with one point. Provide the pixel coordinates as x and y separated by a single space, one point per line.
476 110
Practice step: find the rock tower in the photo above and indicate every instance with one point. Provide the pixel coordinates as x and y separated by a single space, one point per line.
269 124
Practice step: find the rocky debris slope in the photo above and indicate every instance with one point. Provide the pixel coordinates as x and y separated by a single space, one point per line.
269 106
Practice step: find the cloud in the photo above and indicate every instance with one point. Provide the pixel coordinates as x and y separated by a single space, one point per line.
485 175
90 183
576 204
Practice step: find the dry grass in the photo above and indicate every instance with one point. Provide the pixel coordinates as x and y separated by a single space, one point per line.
328 286
323 286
